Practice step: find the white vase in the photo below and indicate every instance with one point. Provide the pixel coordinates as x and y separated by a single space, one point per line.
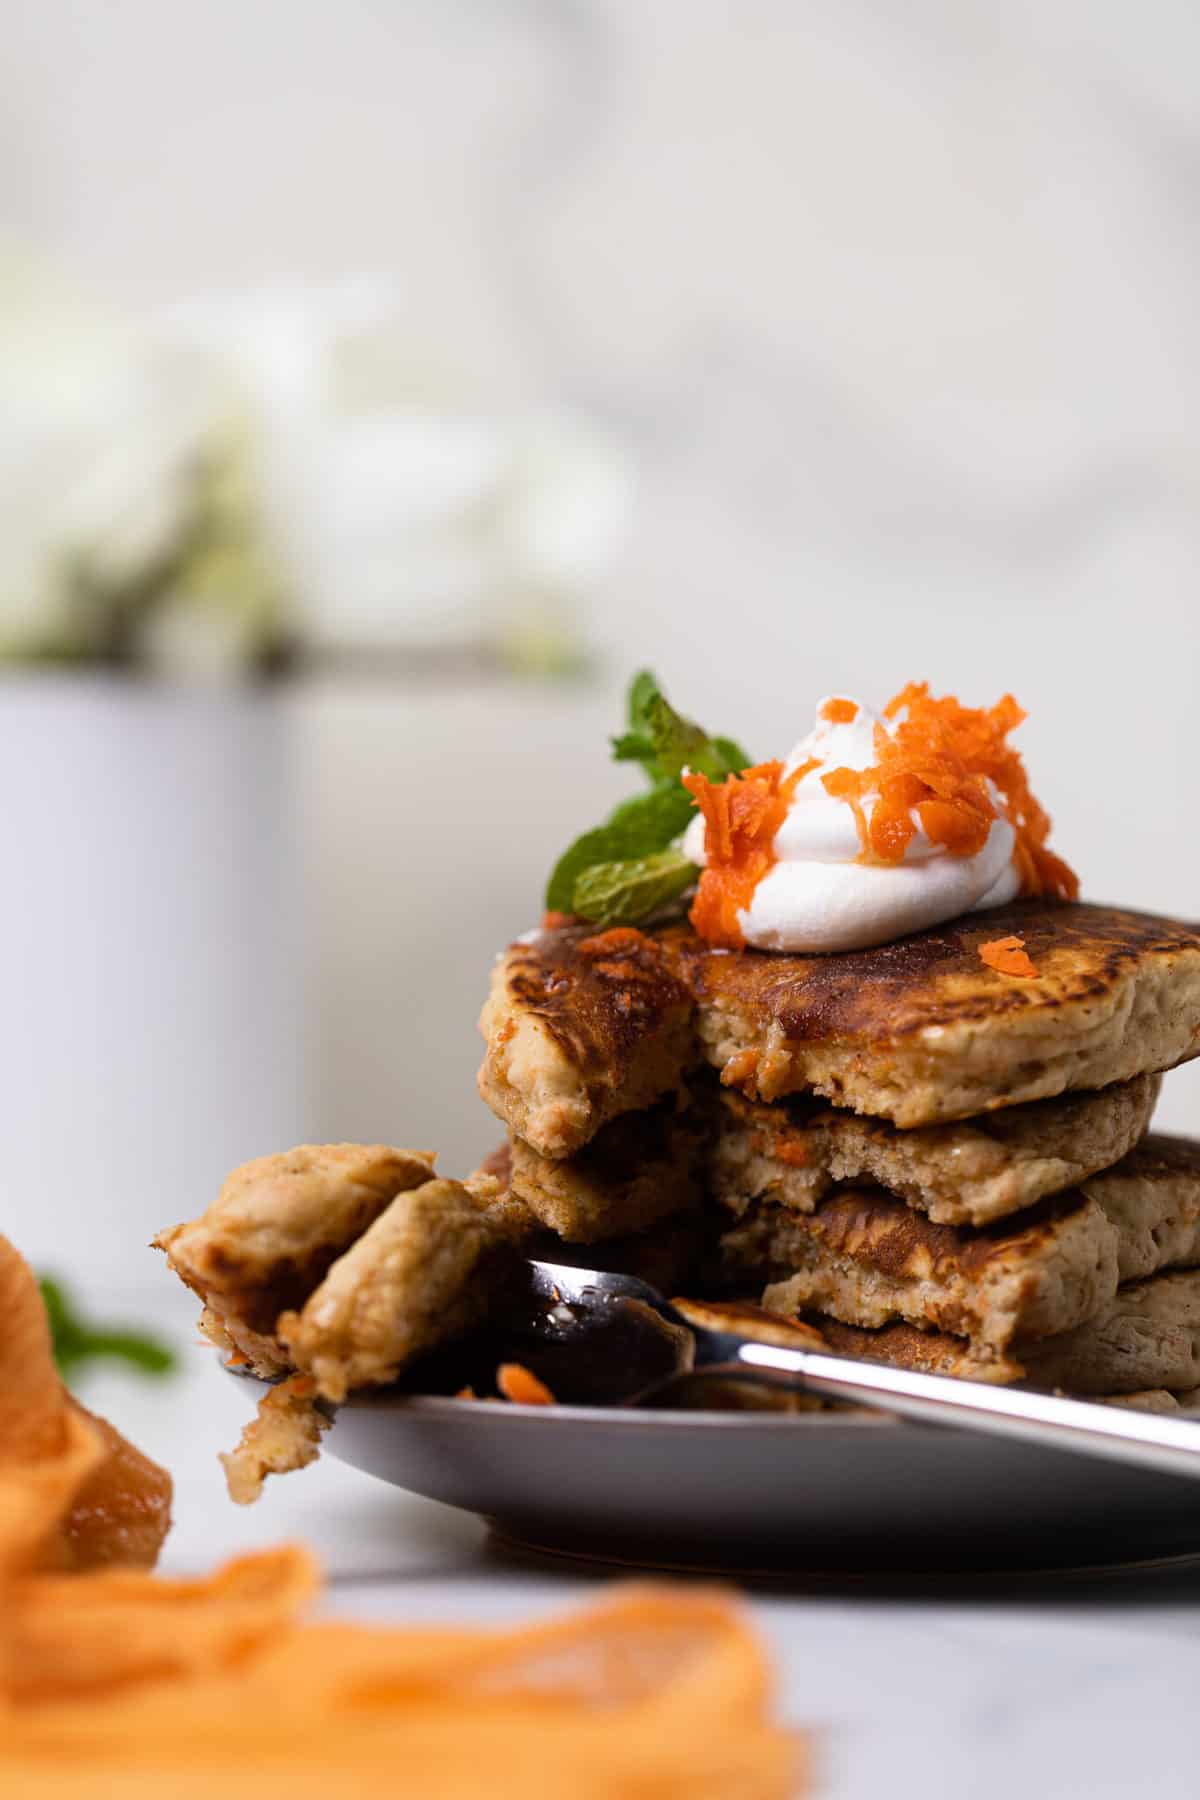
150 942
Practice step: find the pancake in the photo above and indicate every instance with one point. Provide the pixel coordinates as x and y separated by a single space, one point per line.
1147 1337
580 1028
906 1347
275 1229
666 1252
424 1272
923 1030
636 1171
959 1173
1156 1400
866 1258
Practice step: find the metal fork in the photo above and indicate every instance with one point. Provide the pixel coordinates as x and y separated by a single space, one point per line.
574 1300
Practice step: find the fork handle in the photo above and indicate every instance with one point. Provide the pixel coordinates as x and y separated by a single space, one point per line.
1148 1440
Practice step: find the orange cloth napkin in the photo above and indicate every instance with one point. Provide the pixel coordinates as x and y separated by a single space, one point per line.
124 1684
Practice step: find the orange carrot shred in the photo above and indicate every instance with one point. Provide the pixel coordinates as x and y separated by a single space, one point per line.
610 943
521 1386
939 760
466 1393
1008 956
741 816
944 766
838 711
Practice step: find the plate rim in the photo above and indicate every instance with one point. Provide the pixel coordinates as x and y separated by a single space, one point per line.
447 1407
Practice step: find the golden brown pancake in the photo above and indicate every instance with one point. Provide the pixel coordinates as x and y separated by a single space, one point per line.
580 1027
275 1229
923 1029
1148 1336
1157 1400
868 1259
962 1172
636 1171
666 1253
424 1272
907 1347
916 1031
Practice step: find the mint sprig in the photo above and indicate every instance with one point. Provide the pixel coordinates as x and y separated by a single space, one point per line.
621 893
630 867
76 1342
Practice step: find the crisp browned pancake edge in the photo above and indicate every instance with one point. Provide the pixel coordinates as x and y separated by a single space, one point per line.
937 977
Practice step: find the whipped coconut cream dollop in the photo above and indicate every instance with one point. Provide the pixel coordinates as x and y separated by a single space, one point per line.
821 892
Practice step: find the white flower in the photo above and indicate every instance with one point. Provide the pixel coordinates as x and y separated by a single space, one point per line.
109 436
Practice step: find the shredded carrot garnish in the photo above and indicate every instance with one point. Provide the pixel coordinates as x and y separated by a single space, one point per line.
741 816
610 943
1008 956
552 920
791 1149
741 1068
838 711
521 1386
466 1393
938 767
937 761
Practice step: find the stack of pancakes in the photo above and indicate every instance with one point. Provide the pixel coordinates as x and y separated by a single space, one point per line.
937 1164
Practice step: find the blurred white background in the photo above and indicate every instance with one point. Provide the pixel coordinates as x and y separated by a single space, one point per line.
884 315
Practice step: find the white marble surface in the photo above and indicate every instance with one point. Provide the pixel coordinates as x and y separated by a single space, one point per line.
1029 1688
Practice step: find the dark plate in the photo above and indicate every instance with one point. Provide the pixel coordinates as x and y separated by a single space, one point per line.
766 1491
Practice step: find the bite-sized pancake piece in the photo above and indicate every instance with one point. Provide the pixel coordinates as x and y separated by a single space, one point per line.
966 1172
756 1321
637 1170
284 1435
923 1030
275 1229
1148 1336
867 1258
423 1272
582 1026
715 1392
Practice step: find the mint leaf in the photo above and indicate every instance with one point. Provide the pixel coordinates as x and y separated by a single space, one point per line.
658 738
664 744
638 827
76 1342
643 691
633 746
620 893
